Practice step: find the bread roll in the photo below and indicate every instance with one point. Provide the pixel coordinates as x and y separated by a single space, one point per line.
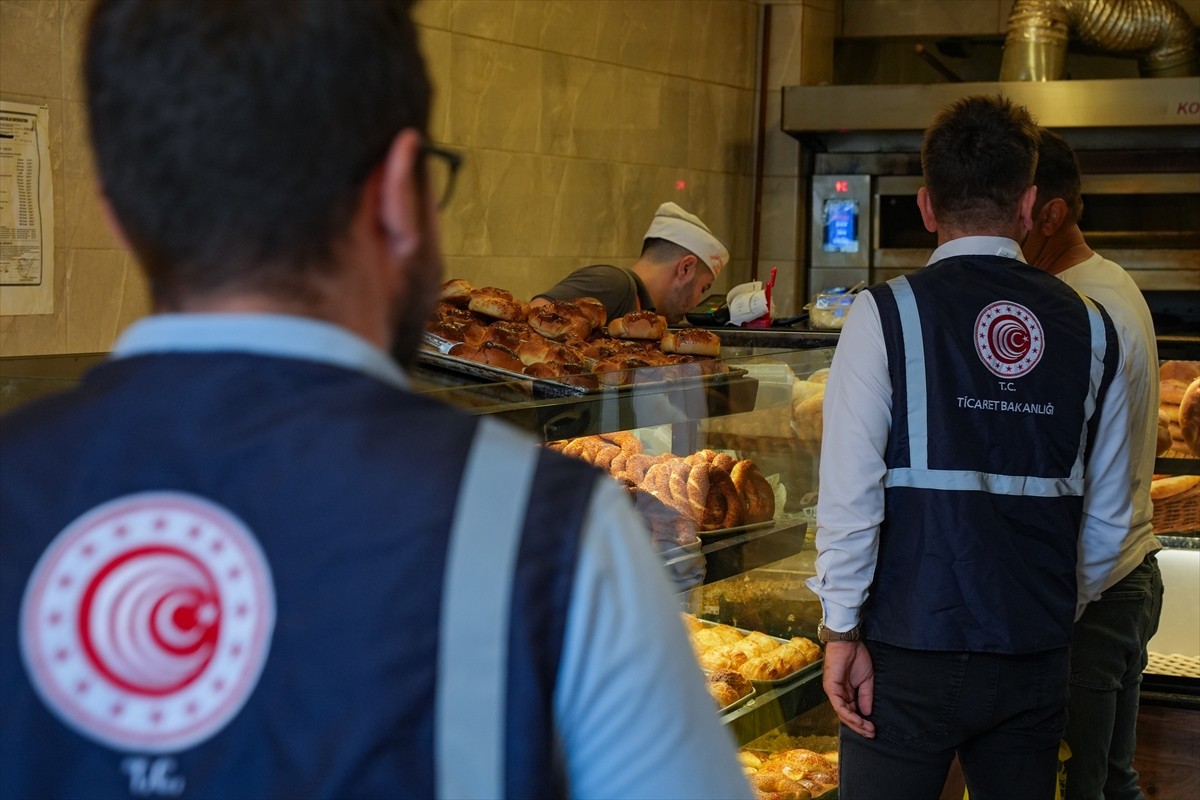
638 325
1164 488
491 354
596 313
1164 433
456 291
498 304
1189 417
692 341
560 321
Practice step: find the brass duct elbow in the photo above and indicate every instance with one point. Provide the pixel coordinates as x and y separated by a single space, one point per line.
1158 32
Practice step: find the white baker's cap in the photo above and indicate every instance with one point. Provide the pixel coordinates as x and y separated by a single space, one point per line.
686 230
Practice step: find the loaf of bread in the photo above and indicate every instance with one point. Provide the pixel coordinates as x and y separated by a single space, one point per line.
1189 417
498 304
727 687
1175 377
638 325
692 341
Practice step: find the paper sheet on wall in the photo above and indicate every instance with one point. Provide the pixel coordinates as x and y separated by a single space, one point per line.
26 211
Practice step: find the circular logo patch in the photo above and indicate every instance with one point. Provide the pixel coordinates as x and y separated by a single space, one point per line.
1008 339
147 621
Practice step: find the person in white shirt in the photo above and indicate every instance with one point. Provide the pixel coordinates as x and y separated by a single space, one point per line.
1108 647
973 493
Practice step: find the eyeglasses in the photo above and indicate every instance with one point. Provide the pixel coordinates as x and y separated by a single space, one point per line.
441 169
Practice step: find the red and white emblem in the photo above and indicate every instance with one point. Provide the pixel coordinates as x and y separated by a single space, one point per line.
1008 339
147 621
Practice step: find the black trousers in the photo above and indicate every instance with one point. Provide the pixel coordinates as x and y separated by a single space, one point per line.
1002 714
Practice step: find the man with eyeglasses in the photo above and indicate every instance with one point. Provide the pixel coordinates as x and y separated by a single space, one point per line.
680 260
243 558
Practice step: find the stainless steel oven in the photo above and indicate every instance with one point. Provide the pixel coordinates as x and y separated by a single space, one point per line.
1138 143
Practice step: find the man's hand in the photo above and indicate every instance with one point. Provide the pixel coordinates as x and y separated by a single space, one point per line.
849 681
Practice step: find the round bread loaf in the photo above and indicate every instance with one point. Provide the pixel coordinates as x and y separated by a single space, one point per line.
1164 433
756 489
1189 417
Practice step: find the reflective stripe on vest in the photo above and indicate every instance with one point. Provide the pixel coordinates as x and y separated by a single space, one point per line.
919 476
472 674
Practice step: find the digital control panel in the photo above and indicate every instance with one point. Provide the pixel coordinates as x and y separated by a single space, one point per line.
840 208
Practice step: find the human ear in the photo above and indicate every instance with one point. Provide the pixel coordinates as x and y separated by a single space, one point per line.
926 207
402 200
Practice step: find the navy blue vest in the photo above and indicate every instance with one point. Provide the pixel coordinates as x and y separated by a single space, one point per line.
349 487
998 371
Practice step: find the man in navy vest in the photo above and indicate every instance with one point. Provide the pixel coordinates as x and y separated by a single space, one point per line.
243 558
974 488
1109 644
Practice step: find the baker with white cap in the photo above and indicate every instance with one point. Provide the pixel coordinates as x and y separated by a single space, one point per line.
680 260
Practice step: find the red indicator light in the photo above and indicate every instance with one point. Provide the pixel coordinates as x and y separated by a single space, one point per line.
680 185
841 187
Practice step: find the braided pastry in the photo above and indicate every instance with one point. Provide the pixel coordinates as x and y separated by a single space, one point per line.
706 492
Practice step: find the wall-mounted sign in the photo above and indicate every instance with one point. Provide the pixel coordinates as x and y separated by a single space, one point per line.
26 211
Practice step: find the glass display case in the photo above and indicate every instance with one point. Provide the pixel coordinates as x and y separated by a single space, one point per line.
747 574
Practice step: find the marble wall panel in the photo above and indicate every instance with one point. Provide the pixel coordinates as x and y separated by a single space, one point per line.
75 18
718 137
487 19
816 56
31 59
783 58
578 100
561 26
433 13
436 47
584 209
84 224
493 100
652 35
778 237
94 290
724 42
654 119
642 190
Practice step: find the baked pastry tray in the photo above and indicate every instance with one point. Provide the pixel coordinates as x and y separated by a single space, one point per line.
799 676
431 353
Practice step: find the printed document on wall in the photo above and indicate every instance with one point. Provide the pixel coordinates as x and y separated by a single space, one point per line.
26 211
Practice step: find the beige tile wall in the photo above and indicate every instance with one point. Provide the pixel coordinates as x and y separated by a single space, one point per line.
98 289
577 117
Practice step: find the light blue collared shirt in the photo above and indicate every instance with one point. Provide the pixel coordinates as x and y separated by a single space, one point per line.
978 246
277 335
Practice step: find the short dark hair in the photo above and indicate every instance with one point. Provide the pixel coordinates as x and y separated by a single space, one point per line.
232 137
1058 174
664 251
978 157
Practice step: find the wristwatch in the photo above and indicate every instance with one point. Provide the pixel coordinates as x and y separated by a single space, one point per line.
826 635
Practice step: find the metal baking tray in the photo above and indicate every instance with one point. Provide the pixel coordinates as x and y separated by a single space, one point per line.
433 355
741 701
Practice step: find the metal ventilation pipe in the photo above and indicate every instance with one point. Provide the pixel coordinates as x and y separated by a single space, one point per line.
1158 32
